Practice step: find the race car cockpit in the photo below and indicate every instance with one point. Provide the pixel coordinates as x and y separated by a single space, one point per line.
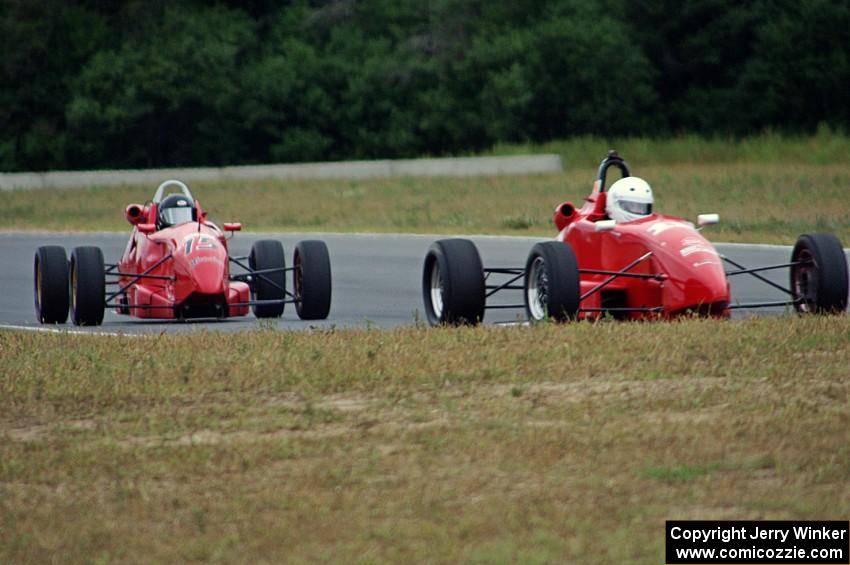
174 209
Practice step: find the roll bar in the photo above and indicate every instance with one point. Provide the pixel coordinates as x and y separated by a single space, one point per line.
612 160
160 192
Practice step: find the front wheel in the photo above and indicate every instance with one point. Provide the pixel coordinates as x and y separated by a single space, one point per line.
819 280
552 288
312 280
88 286
50 274
453 285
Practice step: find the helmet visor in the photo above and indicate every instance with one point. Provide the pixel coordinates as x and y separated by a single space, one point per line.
640 208
174 216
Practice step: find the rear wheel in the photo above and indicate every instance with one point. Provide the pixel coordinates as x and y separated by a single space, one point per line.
552 287
88 286
312 280
268 254
820 282
453 286
50 273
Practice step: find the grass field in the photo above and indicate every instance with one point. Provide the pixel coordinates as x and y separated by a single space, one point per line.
768 189
486 445
825 147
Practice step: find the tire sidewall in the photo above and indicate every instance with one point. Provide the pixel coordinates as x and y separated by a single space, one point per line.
267 254
830 264
88 286
435 257
312 279
563 284
50 266
461 279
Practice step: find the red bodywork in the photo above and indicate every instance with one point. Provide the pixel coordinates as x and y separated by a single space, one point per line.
690 274
190 267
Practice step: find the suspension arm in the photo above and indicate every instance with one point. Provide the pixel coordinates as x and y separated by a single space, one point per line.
744 270
137 278
616 275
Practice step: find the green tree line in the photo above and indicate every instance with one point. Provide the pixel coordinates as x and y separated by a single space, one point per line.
145 83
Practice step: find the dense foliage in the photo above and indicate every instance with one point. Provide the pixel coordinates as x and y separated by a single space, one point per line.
138 83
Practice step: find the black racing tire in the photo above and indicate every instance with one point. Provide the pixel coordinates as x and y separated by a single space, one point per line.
552 289
311 280
821 285
88 286
453 286
268 254
50 281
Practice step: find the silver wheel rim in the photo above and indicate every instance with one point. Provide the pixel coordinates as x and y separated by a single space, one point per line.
805 282
436 291
537 291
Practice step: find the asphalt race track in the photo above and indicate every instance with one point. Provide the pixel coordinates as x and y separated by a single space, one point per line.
376 279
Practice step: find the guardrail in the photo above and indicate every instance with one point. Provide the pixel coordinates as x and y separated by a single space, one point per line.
451 166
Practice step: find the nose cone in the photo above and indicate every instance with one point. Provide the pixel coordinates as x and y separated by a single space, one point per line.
208 274
696 280
204 261
702 289
709 285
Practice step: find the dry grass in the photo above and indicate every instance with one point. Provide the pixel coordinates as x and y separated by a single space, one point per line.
757 202
485 445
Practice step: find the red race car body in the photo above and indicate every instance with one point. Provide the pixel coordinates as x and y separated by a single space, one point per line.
662 264
186 273
653 267
180 269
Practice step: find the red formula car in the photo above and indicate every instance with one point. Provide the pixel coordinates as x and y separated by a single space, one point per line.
177 266
615 256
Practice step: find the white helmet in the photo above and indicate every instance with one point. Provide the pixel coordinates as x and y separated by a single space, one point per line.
630 198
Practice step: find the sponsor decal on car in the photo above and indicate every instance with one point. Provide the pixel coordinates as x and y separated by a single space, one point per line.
691 245
660 227
206 259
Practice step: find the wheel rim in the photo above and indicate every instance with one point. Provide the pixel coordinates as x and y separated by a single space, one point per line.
436 291
297 277
537 291
806 281
74 287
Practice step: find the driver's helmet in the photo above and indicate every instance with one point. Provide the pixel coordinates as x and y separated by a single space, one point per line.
176 209
630 198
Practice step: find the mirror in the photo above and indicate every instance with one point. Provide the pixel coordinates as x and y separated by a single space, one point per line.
232 226
605 225
708 219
